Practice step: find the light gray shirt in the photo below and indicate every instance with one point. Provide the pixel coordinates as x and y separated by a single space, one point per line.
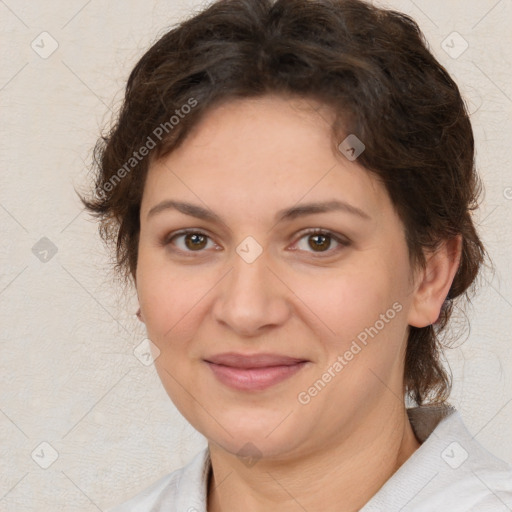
450 471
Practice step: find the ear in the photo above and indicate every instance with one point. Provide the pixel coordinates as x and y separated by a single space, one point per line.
434 281
139 315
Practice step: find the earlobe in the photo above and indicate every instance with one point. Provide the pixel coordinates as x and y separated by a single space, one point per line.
434 282
139 315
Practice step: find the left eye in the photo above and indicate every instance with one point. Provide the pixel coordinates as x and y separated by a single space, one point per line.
321 240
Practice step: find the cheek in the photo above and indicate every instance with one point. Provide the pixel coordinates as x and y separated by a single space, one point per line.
347 302
166 295
364 313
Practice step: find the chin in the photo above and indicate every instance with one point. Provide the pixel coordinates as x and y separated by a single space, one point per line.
250 450
257 439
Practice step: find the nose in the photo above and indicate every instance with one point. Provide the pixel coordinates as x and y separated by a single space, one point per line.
252 298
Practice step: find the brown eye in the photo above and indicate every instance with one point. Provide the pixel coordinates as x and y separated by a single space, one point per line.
321 241
188 241
195 241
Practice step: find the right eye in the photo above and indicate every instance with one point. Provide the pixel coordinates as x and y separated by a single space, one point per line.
191 240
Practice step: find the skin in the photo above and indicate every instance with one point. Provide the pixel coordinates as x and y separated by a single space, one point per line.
301 297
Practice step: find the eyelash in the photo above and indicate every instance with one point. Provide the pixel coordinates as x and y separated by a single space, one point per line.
343 242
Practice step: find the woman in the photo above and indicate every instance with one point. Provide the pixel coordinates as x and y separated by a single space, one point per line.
289 185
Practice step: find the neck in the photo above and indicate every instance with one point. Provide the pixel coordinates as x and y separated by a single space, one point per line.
342 477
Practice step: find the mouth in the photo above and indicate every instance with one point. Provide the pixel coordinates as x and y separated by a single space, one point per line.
253 372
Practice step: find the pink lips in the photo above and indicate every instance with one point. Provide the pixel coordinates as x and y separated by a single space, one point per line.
253 372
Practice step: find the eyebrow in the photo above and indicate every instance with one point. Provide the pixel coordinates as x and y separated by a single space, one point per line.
282 215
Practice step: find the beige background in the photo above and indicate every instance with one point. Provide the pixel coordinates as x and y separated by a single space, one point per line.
69 377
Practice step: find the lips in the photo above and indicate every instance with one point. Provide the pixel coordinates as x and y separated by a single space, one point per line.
253 372
253 361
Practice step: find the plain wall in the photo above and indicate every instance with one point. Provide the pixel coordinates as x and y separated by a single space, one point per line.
69 376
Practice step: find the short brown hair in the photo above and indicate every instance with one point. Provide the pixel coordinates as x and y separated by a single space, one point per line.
371 66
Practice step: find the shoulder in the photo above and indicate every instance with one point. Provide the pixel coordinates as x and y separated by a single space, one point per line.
149 497
463 474
451 470
468 478
182 489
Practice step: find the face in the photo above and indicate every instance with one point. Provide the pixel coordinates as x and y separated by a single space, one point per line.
311 306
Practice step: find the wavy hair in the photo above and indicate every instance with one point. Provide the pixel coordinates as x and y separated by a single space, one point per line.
371 66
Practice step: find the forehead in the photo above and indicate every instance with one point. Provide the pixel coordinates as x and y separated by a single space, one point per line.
266 152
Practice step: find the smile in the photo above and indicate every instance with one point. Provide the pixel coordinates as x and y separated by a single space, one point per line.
253 373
